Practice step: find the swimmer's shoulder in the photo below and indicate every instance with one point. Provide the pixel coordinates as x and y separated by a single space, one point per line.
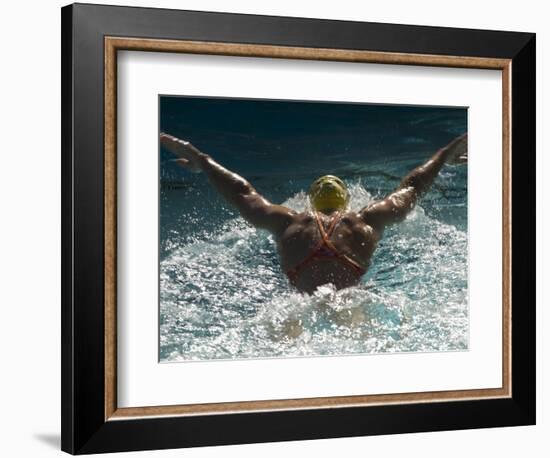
302 223
351 218
356 222
305 217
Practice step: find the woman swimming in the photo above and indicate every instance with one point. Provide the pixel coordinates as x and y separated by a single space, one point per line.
329 244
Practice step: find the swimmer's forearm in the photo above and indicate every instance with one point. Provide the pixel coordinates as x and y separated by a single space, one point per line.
422 178
230 185
234 188
395 206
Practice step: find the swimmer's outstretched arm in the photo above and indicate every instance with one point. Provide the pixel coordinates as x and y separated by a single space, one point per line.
254 208
395 207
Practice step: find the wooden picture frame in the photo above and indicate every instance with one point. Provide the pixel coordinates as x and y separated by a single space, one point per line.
91 37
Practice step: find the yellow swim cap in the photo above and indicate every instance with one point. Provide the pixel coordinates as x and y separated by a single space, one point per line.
328 193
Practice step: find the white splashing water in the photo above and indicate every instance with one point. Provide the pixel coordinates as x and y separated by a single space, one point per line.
224 296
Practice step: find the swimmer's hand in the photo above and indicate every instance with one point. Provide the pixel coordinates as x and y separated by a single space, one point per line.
456 152
188 155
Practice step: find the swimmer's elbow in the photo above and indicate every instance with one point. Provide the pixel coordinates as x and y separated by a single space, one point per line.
398 215
254 209
385 213
264 215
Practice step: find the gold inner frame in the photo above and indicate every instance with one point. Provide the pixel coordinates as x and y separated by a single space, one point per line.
114 44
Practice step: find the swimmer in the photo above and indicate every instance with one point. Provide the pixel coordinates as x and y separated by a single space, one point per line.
329 243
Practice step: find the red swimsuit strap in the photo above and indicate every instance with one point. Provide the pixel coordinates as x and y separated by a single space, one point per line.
325 241
325 235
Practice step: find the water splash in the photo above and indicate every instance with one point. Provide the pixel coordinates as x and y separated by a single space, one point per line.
223 295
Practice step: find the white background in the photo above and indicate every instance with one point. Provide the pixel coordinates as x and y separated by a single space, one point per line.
142 381
30 231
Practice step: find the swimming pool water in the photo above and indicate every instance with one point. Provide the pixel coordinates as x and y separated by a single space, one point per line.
222 292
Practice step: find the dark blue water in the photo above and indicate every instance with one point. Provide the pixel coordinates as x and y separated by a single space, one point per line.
223 294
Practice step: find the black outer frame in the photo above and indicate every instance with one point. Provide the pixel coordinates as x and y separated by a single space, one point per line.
83 426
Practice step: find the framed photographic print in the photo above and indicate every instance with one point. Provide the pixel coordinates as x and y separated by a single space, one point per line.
282 228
